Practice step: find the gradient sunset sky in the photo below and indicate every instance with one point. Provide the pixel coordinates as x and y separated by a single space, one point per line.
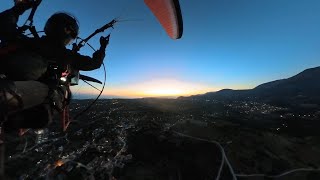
236 44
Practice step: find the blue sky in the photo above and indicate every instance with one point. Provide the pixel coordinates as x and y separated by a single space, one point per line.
226 44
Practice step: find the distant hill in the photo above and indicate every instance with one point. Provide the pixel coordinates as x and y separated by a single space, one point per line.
303 88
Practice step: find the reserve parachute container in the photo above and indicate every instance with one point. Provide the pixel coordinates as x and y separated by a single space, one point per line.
168 13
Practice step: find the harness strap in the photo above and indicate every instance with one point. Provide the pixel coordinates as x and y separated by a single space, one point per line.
2 160
3 118
8 87
65 118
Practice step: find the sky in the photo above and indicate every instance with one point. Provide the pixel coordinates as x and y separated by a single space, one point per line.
236 44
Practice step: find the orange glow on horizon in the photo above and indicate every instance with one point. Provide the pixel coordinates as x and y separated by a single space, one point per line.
164 92
155 88
159 88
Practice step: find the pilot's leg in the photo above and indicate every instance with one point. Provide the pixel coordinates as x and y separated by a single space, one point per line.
32 93
20 95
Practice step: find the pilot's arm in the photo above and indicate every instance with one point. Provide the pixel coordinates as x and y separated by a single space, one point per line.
86 63
9 19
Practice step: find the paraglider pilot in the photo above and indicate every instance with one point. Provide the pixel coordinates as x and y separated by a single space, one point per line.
27 89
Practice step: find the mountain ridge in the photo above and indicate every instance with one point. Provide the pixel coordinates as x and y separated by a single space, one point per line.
302 88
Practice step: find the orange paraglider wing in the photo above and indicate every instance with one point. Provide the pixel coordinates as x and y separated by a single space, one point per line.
168 13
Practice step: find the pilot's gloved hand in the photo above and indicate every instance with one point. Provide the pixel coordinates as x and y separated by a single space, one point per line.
104 41
20 6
